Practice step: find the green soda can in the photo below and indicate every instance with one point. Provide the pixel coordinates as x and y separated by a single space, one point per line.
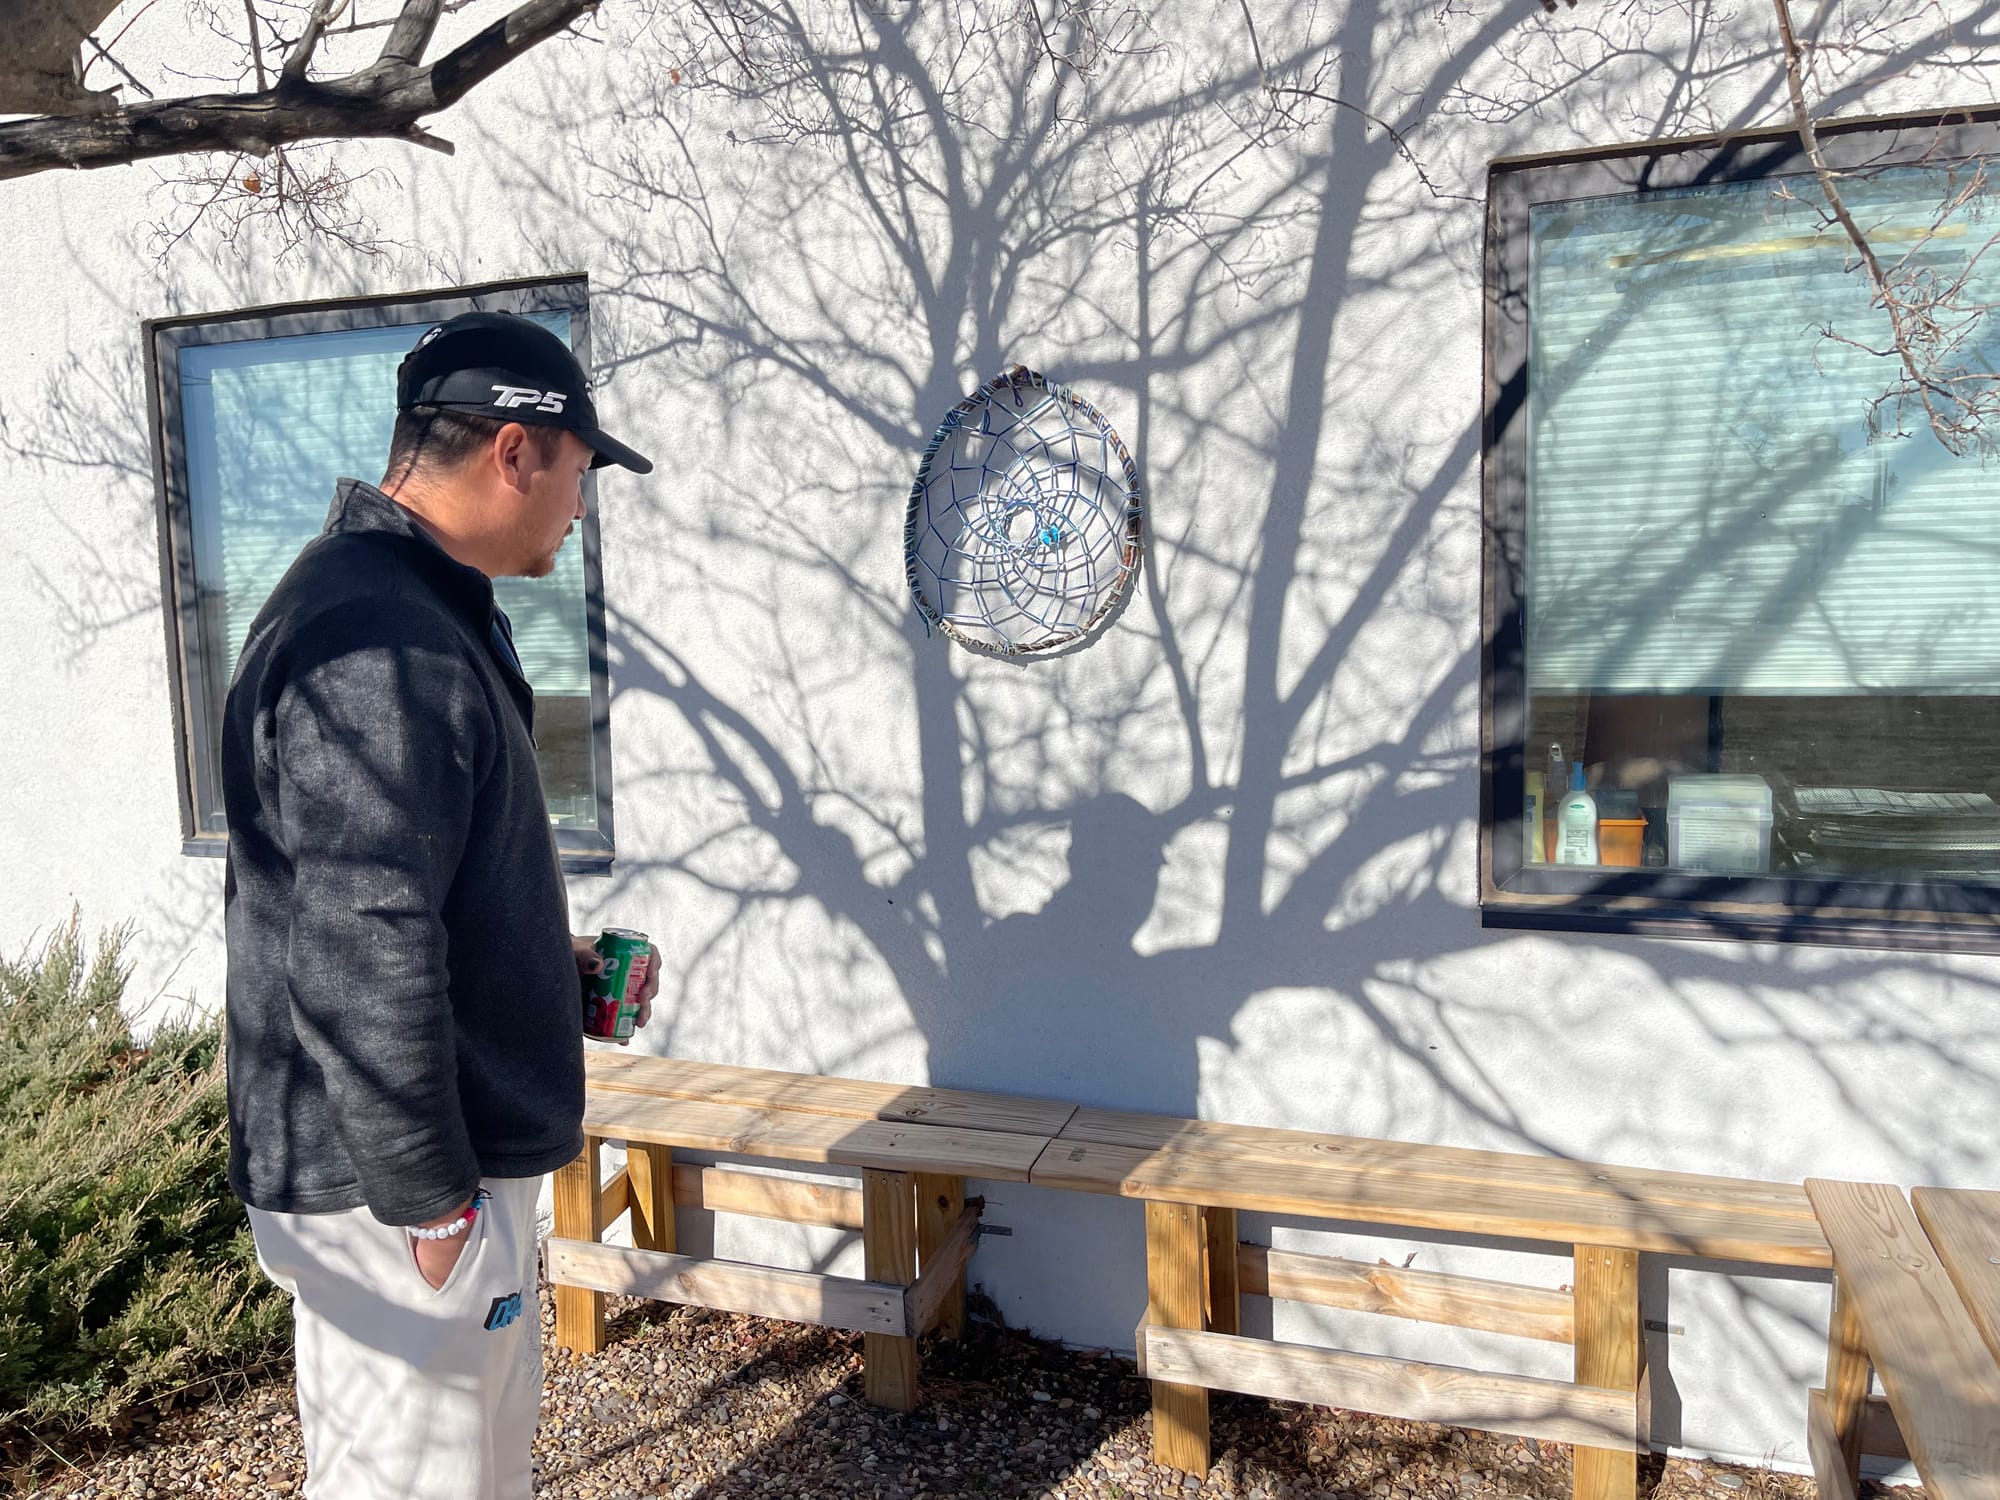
611 1009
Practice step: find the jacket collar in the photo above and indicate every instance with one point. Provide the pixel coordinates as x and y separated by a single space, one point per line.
360 507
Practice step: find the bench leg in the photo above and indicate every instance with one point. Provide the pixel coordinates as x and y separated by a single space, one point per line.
940 1200
1222 1301
1176 1290
1848 1373
579 1311
1610 1352
650 1172
889 1247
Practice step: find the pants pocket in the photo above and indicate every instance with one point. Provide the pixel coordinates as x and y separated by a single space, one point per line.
474 1235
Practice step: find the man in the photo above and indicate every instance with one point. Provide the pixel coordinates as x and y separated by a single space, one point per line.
404 1003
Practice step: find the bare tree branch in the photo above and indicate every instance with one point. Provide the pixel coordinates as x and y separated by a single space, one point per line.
1929 327
129 76
256 42
387 99
412 33
298 196
323 13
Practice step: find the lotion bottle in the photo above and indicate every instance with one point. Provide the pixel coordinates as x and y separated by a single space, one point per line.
1576 822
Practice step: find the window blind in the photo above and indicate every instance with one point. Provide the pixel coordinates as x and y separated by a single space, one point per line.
1707 513
271 424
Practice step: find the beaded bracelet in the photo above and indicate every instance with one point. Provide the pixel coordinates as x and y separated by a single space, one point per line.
457 1226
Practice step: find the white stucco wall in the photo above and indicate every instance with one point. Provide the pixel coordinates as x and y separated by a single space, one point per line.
1220 862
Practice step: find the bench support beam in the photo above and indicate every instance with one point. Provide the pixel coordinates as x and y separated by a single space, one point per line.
1550 1410
580 1216
1441 1297
613 1199
940 1206
1176 1296
732 1286
1610 1355
726 1191
1823 1446
649 1170
1848 1373
889 1250
1222 1286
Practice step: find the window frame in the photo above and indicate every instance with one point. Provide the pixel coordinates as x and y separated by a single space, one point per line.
191 678
1651 902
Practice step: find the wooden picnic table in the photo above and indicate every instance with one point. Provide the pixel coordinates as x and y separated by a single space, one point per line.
1916 1299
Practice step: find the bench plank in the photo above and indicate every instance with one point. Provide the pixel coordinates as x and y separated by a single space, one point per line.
849 1098
1520 1405
1964 1227
792 1135
1447 1163
1462 1207
1939 1376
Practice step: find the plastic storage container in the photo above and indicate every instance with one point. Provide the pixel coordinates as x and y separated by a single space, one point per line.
1720 825
1621 829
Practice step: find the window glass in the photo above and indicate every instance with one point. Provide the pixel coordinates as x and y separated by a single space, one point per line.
1762 603
268 426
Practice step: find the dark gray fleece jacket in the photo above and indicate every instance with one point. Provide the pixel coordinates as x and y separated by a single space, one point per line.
404 1013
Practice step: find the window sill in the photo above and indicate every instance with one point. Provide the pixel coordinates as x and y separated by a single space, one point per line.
1720 921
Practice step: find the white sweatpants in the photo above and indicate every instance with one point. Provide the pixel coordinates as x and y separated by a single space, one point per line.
405 1392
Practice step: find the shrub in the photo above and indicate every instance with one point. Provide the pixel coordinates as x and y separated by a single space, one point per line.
126 1268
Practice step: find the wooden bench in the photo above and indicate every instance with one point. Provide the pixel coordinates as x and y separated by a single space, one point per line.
1195 1178
1916 1300
914 1148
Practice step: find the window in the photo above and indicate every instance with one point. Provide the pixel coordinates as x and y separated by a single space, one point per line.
258 415
1728 573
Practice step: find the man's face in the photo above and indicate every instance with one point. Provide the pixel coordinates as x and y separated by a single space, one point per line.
553 503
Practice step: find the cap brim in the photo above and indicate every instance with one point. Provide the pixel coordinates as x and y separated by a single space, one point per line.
610 451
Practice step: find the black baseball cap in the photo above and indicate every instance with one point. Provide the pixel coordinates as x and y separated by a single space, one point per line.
492 364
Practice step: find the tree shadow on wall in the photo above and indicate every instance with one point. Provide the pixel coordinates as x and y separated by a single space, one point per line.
1081 877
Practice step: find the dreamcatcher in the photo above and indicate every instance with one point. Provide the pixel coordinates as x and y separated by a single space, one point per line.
1023 530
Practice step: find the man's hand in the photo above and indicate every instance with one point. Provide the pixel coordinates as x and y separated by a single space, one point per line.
435 1258
590 963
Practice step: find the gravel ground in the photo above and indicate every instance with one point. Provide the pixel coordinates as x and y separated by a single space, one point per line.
697 1405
